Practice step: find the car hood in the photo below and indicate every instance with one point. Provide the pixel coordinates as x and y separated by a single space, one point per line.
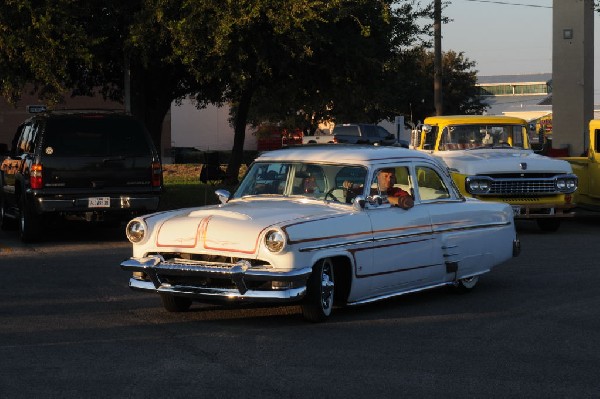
237 225
495 161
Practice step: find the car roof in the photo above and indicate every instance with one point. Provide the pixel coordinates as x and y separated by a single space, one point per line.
457 119
340 153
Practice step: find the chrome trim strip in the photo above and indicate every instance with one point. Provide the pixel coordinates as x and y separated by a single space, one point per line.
402 236
398 293
411 291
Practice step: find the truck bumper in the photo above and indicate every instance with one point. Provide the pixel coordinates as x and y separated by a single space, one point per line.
540 211
93 204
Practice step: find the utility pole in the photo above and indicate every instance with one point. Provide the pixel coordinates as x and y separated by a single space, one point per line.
437 61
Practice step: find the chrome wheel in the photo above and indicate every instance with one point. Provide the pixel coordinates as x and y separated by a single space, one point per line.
327 287
466 284
320 292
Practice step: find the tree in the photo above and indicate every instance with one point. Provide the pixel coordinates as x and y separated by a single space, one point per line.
311 59
66 47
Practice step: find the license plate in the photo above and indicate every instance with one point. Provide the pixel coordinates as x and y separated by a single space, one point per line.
99 202
516 210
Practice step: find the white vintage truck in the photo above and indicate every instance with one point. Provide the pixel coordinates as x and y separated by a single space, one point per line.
490 158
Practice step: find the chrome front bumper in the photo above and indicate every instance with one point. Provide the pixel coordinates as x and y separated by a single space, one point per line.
240 274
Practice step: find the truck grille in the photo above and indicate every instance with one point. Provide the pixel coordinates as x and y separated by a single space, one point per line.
522 186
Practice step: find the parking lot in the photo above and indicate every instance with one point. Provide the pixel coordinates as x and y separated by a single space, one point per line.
70 327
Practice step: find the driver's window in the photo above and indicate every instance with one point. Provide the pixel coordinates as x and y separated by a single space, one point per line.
391 182
430 137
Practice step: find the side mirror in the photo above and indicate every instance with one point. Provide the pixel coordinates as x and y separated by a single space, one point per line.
358 202
223 196
375 200
426 128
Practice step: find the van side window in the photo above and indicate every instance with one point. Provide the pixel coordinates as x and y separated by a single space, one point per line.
430 138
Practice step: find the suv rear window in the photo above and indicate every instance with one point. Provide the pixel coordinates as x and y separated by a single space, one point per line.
96 136
346 130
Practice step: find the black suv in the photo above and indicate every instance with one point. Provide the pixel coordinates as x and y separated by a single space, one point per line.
99 166
362 133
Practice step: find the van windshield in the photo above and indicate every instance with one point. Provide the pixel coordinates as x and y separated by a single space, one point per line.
95 137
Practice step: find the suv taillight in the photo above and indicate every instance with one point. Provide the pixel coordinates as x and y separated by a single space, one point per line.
35 176
156 174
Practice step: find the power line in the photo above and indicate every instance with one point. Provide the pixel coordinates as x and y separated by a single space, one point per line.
505 3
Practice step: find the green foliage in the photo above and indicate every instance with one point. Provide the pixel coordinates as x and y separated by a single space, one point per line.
293 61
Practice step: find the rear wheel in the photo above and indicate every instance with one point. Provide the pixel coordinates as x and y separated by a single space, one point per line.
548 225
30 224
173 303
6 223
466 284
318 303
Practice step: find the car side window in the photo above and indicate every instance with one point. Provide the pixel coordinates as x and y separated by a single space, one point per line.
371 131
430 184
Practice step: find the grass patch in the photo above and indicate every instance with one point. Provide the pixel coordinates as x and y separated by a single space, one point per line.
183 189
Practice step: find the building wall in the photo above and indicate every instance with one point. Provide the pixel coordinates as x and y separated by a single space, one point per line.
572 72
205 129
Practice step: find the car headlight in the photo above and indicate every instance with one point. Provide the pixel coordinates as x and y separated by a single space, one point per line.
274 240
566 184
135 231
478 185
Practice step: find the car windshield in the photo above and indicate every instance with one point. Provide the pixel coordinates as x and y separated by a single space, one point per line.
310 180
460 137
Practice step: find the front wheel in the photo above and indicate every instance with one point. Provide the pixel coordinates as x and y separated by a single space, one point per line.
318 303
173 303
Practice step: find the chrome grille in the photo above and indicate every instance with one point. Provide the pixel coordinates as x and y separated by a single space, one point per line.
522 186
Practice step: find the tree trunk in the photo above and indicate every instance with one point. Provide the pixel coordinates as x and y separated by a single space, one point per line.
237 152
149 105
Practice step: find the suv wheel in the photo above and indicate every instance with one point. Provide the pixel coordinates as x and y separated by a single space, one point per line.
6 223
30 224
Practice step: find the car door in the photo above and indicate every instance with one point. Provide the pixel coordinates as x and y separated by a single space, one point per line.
459 245
402 241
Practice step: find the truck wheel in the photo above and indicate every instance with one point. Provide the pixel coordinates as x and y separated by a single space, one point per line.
173 303
30 224
318 303
548 225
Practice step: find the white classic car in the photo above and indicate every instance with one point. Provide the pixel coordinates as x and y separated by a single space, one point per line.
316 226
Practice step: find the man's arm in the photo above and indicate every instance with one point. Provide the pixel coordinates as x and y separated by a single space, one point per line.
401 199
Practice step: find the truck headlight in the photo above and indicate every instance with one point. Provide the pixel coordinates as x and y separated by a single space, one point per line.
566 183
274 240
136 231
478 185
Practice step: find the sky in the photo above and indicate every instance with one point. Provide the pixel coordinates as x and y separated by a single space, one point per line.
487 30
